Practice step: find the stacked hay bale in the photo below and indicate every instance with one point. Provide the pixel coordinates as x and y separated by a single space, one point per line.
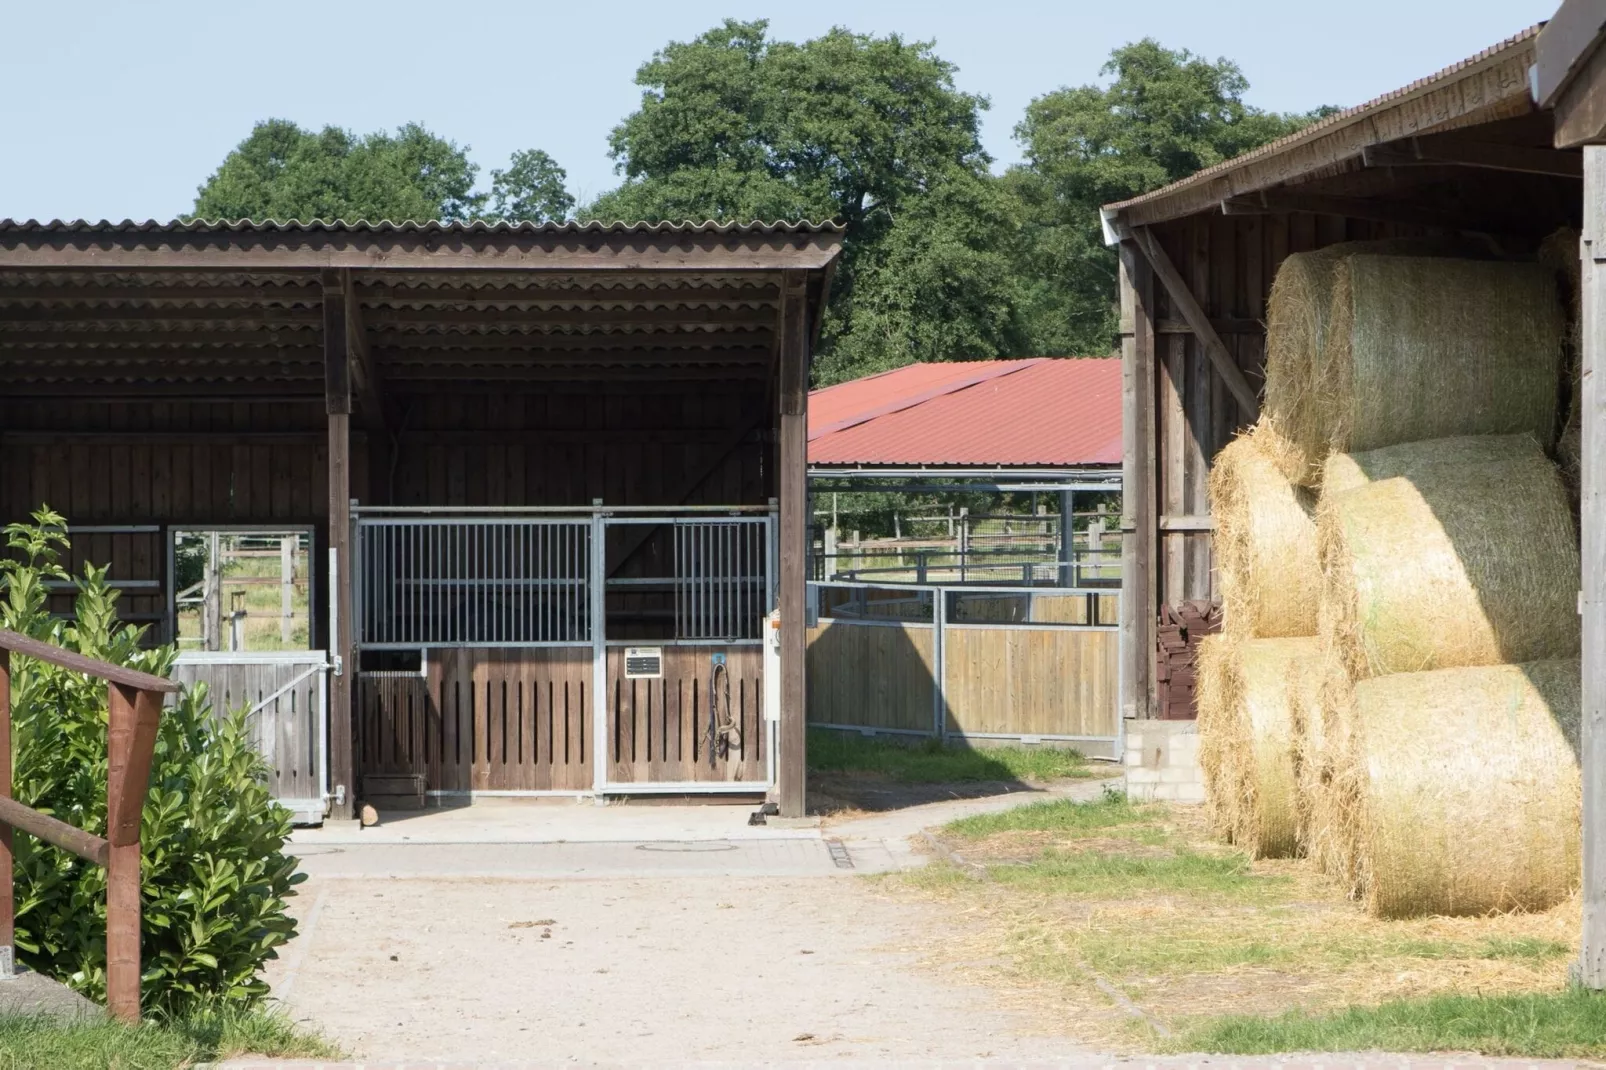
1396 691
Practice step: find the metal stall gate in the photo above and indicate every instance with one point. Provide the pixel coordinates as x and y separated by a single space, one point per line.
527 653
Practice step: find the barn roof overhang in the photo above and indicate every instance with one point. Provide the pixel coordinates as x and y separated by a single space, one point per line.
220 310
1467 148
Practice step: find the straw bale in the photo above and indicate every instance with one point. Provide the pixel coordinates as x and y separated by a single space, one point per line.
1419 348
1265 539
1297 312
1426 461
1468 797
1467 557
1219 746
1268 691
1324 793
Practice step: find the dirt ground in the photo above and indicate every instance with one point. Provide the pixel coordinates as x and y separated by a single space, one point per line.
639 970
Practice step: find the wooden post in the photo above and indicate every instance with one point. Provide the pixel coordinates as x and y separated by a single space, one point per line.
1137 483
793 479
337 397
287 587
1592 603
7 901
132 717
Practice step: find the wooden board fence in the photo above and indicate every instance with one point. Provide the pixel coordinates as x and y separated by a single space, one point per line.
872 675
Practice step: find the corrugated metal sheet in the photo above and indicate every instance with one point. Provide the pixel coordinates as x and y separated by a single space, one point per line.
151 226
1039 411
1317 130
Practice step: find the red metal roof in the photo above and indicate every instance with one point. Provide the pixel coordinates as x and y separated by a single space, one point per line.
1040 411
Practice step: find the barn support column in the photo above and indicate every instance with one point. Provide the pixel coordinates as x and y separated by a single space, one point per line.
793 481
337 396
1137 483
1592 603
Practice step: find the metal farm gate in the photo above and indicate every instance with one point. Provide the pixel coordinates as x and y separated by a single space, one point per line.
526 652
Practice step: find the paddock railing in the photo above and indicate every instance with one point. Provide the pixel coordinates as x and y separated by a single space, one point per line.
134 709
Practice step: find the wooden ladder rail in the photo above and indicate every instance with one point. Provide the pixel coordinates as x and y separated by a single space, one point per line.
134 707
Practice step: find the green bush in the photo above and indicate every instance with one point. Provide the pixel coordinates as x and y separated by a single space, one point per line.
214 875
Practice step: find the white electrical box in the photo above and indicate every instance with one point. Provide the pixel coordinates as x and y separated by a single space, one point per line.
644 662
772 667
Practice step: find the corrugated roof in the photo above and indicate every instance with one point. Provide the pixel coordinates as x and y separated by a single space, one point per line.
1037 411
339 226
1322 128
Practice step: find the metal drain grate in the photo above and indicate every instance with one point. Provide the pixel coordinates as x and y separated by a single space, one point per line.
839 854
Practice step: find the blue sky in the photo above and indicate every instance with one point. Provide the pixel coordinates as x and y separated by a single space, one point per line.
119 110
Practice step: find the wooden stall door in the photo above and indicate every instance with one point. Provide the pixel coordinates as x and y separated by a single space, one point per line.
663 731
514 719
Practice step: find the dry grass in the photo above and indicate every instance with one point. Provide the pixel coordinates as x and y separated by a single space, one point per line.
1140 897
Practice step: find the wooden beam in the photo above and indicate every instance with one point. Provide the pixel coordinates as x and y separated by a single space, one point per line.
76 313
67 659
278 293
1276 202
544 342
1436 152
418 379
1220 356
1187 523
1567 42
1138 536
287 337
1222 325
517 289
1580 110
792 478
1592 599
604 315
377 410
99 391
337 403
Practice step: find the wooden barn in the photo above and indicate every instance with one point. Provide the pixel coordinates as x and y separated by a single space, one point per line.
1504 148
547 484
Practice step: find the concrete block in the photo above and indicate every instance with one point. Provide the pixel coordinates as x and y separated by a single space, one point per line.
1179 775
1143 776
1190 793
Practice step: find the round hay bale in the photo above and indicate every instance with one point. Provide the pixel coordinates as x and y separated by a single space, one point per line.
1267 692
1419 348
1297 313
1265 539
1426 461
1324 792
1469 558
1219 746
1468 794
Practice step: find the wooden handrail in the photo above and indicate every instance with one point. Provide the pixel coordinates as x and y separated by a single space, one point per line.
133 711
105 670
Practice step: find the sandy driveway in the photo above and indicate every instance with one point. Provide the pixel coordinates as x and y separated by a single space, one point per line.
622 952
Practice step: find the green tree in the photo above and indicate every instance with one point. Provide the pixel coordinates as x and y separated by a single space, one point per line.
867 130
1166 114
531 190
282 172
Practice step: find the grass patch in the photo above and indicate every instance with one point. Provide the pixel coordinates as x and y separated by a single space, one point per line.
1567 1024
40 1043
932 762
1058 815
1100 875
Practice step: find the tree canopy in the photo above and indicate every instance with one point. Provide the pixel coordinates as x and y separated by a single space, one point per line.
282 172
1165 114
942 260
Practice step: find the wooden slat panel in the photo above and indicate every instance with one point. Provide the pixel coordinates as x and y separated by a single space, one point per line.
672 714
1029 681
285 732
873 675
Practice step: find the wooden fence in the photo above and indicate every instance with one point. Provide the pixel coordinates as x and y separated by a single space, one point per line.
1036 665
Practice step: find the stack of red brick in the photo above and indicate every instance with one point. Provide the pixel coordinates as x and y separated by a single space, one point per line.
1181 629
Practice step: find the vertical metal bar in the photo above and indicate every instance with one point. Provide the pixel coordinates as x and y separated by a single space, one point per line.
598 571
